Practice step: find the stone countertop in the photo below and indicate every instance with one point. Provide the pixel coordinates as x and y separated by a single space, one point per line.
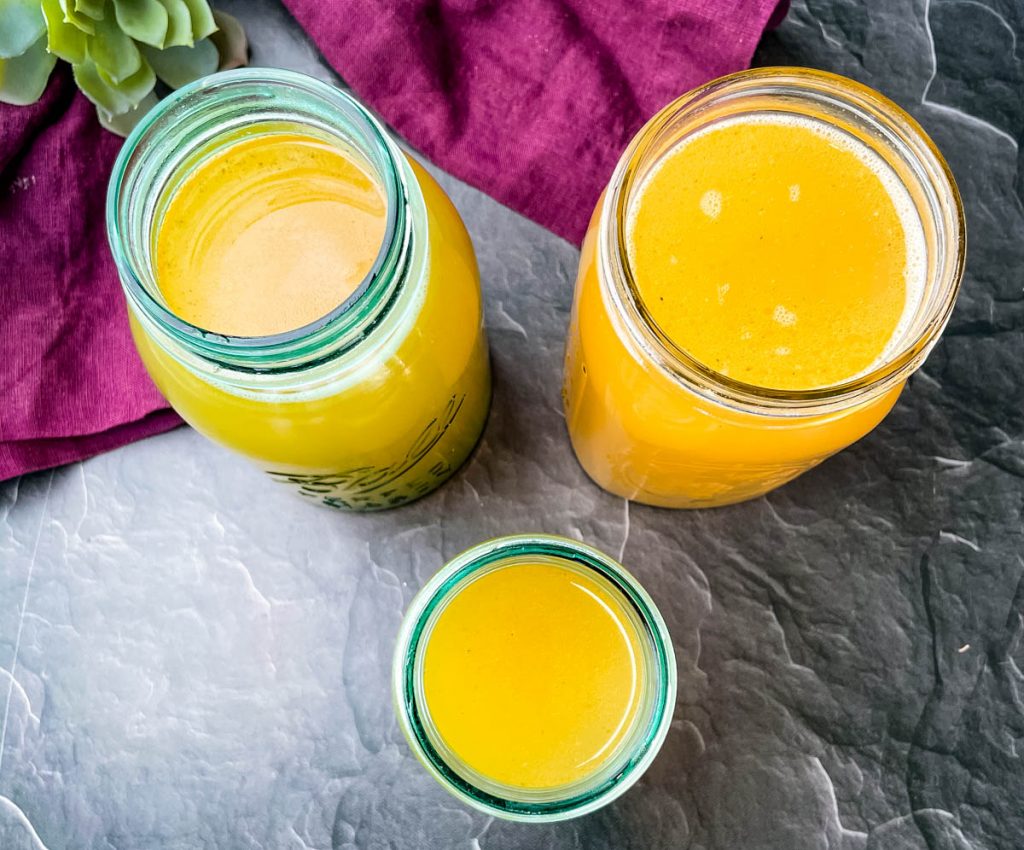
192 657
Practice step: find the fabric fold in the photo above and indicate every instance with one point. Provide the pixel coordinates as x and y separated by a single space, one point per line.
71 384
532 101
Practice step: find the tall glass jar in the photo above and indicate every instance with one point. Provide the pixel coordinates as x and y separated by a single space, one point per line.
650 422
374 404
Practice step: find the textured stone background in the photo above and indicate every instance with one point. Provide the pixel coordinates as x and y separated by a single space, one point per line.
191 657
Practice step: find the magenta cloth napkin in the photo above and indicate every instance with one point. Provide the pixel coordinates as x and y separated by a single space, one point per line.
531 101
71 384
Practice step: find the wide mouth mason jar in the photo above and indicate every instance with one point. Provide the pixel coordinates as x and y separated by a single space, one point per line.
545 637
651 422
369 406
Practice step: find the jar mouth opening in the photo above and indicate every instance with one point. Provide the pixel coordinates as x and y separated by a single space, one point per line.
617 771
828 97
196 117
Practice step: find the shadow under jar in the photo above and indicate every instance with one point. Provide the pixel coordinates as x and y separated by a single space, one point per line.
369 406
648 419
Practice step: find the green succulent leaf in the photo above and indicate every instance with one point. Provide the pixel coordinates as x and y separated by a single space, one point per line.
113 52
177 66
203 23
179 24
62 39
75 18
124 123
87 77
90 8
21 24
143 20
113 98
230 41
23 78
135 87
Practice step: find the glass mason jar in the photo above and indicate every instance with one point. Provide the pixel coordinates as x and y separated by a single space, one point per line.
615 773
650 422
374 404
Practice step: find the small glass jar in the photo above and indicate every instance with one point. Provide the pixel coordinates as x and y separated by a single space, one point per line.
374 404
614 774
650 422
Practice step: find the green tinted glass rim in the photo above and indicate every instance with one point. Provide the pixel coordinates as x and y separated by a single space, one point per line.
437 591
344 326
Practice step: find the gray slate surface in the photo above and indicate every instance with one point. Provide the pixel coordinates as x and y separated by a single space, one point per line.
191 657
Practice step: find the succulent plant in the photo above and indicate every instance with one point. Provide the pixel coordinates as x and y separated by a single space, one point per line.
117 49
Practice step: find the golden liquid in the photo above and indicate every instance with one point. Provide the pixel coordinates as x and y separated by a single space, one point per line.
379 434
772 253
533 675
268 235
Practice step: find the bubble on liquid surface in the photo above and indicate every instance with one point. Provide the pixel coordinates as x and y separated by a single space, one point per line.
786 318
711 203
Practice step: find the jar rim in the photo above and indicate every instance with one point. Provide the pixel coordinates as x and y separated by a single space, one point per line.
884 116
449 581
315 341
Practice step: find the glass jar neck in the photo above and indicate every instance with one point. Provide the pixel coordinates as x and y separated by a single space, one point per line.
197 122
852 108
